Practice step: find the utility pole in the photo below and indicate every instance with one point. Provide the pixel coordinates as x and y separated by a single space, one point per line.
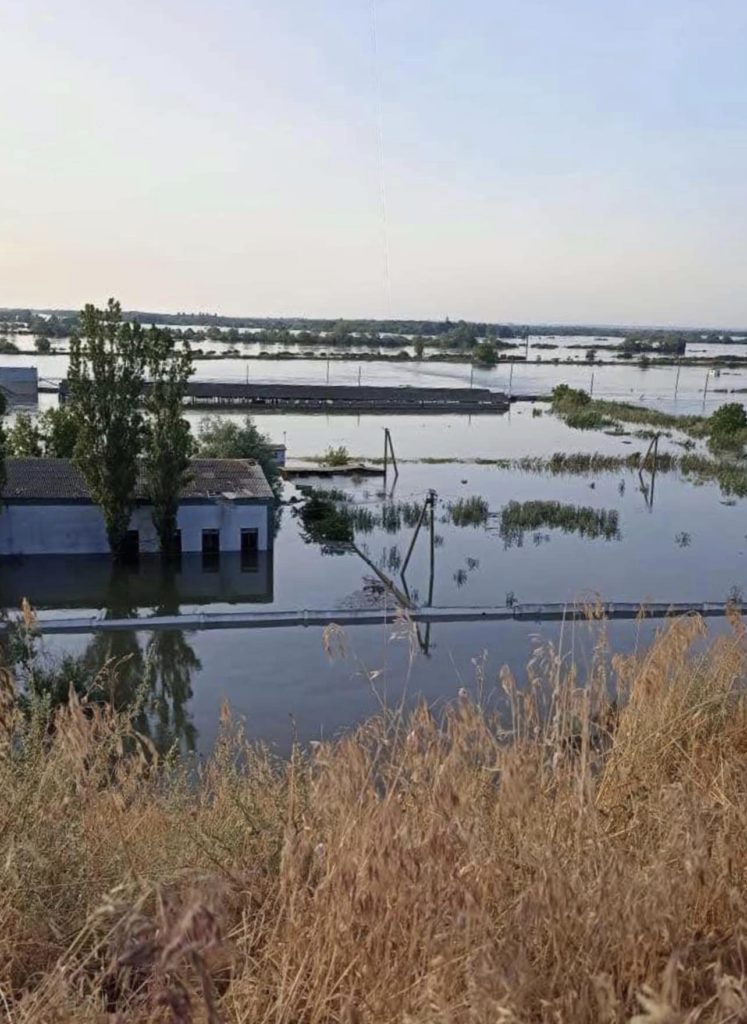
432 500
389 450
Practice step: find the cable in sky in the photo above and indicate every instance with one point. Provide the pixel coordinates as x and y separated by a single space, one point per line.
382 176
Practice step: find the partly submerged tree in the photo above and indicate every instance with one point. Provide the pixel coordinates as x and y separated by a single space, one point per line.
167 436
59 430
227 439
108 359
24 438
3 476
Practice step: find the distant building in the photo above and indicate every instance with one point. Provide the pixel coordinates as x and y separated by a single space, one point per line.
278 453
19 384
47 509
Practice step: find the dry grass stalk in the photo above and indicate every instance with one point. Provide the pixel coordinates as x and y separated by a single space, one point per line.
582 861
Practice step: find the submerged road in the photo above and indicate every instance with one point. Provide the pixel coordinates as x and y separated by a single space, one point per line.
272 619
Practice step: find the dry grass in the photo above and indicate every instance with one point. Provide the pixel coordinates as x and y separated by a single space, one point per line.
584 861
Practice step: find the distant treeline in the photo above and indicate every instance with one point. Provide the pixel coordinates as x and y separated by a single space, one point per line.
456 335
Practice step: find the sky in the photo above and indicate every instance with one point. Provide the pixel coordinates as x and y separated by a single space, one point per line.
577 161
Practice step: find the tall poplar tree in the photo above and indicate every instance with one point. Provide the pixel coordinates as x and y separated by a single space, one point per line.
3 473
106 377
167 437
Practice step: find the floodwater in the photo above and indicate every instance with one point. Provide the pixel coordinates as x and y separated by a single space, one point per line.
687 544
654 387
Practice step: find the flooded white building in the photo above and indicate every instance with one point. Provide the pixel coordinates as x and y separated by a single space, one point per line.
227 505
19 385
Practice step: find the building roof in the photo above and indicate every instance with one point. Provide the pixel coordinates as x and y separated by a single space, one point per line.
60 480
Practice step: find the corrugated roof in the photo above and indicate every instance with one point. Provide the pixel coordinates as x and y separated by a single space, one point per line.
60 480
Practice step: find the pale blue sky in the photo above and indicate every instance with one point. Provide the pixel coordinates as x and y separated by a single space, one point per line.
544 160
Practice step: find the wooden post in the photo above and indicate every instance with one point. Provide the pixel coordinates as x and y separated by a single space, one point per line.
677 377
388 440
432 500
705 386
386 452
510 380
405 601
591 386
419 523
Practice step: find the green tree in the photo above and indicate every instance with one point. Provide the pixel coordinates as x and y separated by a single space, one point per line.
727 426
3 474
728 419
107 371
59 429
484 354
419 346
167 436
24 438
227 439
43 345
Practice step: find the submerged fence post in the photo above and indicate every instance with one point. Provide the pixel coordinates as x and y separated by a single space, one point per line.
432 500
389 450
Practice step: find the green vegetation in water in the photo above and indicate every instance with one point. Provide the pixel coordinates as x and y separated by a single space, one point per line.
331 519
579 410
472 511
326 521
520 517
339 456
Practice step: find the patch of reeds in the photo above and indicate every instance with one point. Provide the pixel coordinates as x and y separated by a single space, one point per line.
472 511
520 517
579 858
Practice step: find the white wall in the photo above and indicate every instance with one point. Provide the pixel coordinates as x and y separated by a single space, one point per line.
79 529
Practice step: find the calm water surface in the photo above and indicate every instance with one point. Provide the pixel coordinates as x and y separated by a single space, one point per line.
689 545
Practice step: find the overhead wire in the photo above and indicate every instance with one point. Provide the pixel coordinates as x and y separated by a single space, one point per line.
382 160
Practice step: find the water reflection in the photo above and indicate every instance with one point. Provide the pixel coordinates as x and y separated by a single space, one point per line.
151 673
95 583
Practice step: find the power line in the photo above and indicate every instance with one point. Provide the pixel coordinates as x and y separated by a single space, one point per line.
382 161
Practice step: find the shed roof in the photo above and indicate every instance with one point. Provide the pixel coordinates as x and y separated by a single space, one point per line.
60 480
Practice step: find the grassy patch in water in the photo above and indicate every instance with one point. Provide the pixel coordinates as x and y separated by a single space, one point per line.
472 511
520 517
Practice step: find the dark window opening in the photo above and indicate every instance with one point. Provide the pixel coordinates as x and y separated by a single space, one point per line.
210 550
249 550
211 542
131 546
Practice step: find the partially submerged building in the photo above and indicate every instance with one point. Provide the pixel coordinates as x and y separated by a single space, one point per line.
19 385
227 505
